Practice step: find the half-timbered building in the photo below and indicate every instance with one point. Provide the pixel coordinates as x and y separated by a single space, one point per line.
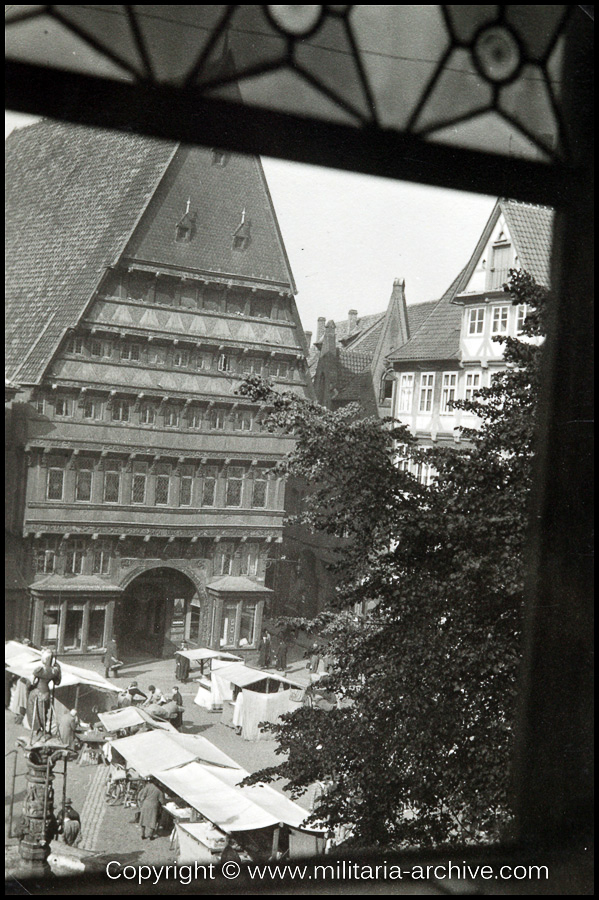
145 279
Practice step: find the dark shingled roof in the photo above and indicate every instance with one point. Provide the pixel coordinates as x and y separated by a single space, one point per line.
439 334
75 195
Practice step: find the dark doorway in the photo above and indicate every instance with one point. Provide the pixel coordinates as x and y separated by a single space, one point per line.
151 615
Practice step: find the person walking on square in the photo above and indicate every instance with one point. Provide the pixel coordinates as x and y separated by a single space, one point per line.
151 799
110 659
178 699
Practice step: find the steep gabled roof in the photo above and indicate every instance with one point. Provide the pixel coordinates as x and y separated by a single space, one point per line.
73 197
439 334
78 198
221 197
531 229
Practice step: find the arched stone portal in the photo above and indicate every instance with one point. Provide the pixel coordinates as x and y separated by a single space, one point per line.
151 614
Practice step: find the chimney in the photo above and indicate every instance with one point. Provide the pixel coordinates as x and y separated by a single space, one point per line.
320 329
329 342
353 321
308 338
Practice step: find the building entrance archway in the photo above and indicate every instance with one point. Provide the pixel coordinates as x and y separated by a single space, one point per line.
150 616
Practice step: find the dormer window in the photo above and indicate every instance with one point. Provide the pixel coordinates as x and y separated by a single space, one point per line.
241 235
220 158
185 227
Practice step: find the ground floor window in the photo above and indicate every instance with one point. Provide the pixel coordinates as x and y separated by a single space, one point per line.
248 623
50 624
75 626
238 624
228 622
97 621
73 629
194 624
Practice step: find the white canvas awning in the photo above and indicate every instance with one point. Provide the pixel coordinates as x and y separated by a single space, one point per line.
130 717
215 794
201 653
227 807
152 752
25 661
242 676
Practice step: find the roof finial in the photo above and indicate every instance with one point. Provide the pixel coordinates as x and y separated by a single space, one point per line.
243 216
188 205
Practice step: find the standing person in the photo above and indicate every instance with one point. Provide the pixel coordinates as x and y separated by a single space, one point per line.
314 660
110 659
182 664
67 729
151 799
265 652
70 821
178 699
282 655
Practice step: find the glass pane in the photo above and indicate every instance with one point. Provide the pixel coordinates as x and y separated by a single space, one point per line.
73 632
194 625
50 625
248 619
227 637
95 635
84 485
162 483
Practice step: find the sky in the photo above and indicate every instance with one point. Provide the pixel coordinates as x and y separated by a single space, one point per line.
349 235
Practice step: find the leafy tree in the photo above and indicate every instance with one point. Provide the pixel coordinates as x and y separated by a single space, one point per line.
418 750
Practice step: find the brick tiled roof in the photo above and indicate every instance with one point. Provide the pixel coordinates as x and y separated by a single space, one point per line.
531 229
75 196
439 334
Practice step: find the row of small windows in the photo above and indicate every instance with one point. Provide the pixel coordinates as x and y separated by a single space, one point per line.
81 556
500 316
148 413
166 290
449 390
233 487
422 471
180 358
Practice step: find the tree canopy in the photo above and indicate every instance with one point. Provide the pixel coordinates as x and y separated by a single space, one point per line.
417 751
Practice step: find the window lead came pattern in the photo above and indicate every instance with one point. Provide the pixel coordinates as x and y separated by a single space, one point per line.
55 484
234 486
112 485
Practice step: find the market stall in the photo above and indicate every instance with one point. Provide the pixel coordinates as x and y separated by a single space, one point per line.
131 717
204 661
249 696
79 688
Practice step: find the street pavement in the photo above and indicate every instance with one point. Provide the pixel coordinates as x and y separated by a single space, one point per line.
109 832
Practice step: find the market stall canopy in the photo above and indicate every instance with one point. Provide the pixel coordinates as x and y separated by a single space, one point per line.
215 794
202 653
25 662
151 752
227 807
241 676
131 717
